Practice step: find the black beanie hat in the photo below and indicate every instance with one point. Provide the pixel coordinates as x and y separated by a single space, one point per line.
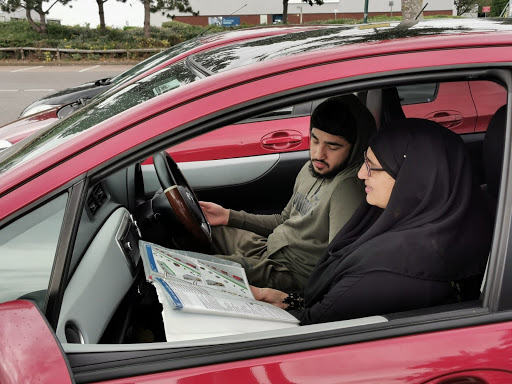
335 117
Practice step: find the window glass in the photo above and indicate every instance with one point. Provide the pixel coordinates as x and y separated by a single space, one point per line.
155 60
283 112
27 250
418 93
163 81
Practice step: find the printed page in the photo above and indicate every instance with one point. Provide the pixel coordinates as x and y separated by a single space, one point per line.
194 298
209 271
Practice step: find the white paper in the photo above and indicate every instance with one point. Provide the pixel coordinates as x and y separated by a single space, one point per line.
205 296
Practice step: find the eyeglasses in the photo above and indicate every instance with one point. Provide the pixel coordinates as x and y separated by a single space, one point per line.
368 168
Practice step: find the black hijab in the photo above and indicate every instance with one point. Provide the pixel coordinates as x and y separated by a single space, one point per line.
435 225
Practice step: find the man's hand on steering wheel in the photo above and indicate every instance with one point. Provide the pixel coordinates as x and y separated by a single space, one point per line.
215 214
182 200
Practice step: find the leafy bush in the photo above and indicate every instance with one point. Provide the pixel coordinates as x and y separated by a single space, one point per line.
497 7
20 34
17 34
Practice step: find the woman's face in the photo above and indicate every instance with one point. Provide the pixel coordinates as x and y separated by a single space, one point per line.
379 184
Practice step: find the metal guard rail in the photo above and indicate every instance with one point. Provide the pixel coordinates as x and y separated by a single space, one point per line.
58 51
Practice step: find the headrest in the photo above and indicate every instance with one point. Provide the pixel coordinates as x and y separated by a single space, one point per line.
494 143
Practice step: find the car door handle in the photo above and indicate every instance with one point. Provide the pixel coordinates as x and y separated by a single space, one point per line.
449 119
281 140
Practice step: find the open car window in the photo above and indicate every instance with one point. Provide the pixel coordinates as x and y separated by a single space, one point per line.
27 249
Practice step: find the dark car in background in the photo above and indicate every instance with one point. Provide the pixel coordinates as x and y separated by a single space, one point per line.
74 97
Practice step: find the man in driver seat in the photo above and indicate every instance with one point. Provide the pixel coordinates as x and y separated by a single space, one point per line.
280 251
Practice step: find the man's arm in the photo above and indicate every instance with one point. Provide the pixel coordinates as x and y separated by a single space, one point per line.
261 224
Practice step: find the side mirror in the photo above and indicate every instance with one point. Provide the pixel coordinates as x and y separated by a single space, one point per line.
30 349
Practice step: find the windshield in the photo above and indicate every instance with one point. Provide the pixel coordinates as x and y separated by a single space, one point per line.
158 83
153 61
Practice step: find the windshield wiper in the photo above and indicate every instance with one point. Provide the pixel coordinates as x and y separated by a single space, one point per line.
103 82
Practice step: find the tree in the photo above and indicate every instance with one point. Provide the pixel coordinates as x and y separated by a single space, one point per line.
497 7
152 6
285 7
411 9
465 6
29 6
101 12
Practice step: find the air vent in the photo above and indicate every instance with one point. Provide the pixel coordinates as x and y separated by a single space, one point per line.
96 198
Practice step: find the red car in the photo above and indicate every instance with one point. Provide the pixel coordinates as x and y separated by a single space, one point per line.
461 106
73 306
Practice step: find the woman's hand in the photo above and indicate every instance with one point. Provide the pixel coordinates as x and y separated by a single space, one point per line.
271 296
215 214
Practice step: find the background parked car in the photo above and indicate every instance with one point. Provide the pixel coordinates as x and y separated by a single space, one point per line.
82 93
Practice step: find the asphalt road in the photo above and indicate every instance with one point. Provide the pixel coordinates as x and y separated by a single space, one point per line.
21 85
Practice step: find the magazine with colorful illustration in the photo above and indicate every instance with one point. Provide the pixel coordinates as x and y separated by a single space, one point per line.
201 283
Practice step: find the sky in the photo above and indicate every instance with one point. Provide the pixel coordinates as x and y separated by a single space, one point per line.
86 11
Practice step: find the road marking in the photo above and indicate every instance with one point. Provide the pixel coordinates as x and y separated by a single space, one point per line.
8 90
26 69
39 90
86 69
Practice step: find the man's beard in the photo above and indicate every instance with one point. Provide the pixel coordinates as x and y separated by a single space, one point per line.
329 175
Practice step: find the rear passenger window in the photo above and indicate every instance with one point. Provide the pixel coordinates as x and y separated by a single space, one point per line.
301 109
283 112
415 94
461 106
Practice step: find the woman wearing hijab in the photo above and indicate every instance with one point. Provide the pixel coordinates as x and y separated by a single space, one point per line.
422 233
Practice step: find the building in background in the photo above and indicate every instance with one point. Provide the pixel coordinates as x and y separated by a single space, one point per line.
254 12
21 14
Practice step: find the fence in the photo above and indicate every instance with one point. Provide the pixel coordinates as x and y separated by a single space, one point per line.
57 51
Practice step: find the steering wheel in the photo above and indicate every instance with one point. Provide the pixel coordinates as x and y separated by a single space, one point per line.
182 199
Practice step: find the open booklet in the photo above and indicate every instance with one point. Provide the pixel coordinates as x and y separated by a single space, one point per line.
204 296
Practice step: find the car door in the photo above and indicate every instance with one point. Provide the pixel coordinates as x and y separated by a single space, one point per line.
423 358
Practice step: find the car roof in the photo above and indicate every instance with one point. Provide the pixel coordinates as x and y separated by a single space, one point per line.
204 43
446 35
222 58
